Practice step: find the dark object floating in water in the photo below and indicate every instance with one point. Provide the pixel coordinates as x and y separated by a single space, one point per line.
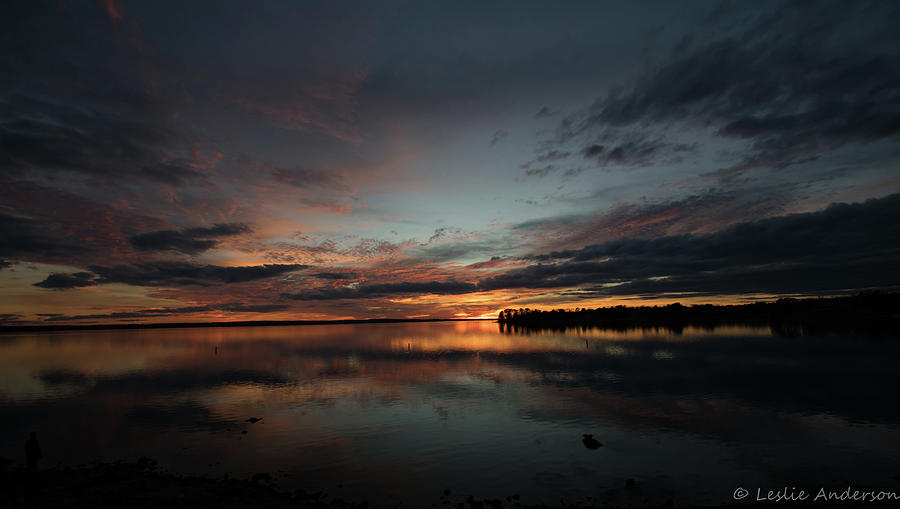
254 420
590 442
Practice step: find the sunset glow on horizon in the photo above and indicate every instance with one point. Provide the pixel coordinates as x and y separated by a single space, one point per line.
214 162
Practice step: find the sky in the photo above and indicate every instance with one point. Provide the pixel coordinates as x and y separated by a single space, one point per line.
213 161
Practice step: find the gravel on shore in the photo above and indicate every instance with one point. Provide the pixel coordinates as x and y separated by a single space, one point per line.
142 485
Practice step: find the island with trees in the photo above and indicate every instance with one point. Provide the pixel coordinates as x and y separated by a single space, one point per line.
867 312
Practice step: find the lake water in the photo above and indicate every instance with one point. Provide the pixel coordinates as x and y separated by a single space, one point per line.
399 412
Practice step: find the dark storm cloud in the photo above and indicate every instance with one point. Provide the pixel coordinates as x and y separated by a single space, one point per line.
793 83
633 151
166 273
51 225
616 148
191 240
62 281
698 213
335 275
81 97
218 230
235 307
841 247
386 289
24 237
94 143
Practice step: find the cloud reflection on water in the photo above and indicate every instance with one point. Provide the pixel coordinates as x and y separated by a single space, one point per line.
346 398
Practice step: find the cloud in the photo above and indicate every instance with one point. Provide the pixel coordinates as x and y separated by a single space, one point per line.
113 9
114 141
24 237
841 247
386 289
498 136
324 102
791 88
58 227
335 275
62 281
233 307
614 147
11 318
697 213
540 172
190 241
446 232
545 112
373 248
633 151
167 273
304 178
553 155
85 103
460 250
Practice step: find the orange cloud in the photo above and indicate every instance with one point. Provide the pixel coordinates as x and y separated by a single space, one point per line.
113 9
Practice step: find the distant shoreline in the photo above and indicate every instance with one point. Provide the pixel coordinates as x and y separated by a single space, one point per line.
866 312
871 312
245 323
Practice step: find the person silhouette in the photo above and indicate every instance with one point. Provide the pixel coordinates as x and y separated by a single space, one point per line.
32 451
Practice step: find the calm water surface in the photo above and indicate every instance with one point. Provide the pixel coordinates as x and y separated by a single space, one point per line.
399 412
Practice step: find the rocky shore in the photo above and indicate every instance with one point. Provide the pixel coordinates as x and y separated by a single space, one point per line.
142 485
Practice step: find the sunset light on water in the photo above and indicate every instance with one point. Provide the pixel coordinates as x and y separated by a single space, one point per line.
493 254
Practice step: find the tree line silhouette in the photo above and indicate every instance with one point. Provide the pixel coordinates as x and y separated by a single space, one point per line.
864 312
